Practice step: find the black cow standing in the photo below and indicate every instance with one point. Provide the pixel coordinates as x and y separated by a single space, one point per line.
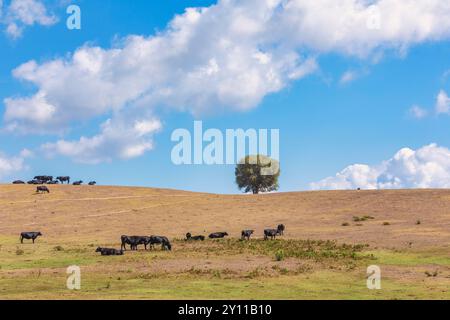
42 189
281 229
63 179
43 178
145 240
127 240
134 242
271 233
246 234
124 241
29 235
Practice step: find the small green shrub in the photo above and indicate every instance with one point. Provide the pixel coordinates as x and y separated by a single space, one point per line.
19 252
279 255
345 224
254 274
58 248
386 223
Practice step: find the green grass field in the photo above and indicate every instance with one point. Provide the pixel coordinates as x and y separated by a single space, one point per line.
227 269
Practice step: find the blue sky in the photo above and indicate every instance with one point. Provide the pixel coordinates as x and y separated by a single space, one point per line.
326 124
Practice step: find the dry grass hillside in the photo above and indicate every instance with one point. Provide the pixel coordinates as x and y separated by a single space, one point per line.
103 213
414 257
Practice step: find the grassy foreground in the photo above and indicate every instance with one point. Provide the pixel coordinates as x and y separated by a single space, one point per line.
228 269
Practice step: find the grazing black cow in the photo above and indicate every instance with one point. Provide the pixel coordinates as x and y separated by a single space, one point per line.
78 183
42 189
18 182
35 182
272 233
92 183
194 238
143 240
63 179
109 252
29 235
165 243
246 234
281 229
218 235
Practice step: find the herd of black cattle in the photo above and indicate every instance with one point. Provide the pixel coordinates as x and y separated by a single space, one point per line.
134 241
151 241
49 180
40 180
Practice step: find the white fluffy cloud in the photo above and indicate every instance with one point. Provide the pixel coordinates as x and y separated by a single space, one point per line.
116 140
352 75
23 13
229 55
442 103
361 28
427 167
11 165
418 112
199 64
348 76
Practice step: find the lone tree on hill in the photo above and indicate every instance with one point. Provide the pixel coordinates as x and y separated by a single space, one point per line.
257 173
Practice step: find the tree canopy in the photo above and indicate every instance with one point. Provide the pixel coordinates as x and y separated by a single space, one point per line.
257 173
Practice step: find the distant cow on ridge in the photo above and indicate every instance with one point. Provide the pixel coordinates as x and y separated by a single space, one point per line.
43 178
78 183
63 179
35 182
